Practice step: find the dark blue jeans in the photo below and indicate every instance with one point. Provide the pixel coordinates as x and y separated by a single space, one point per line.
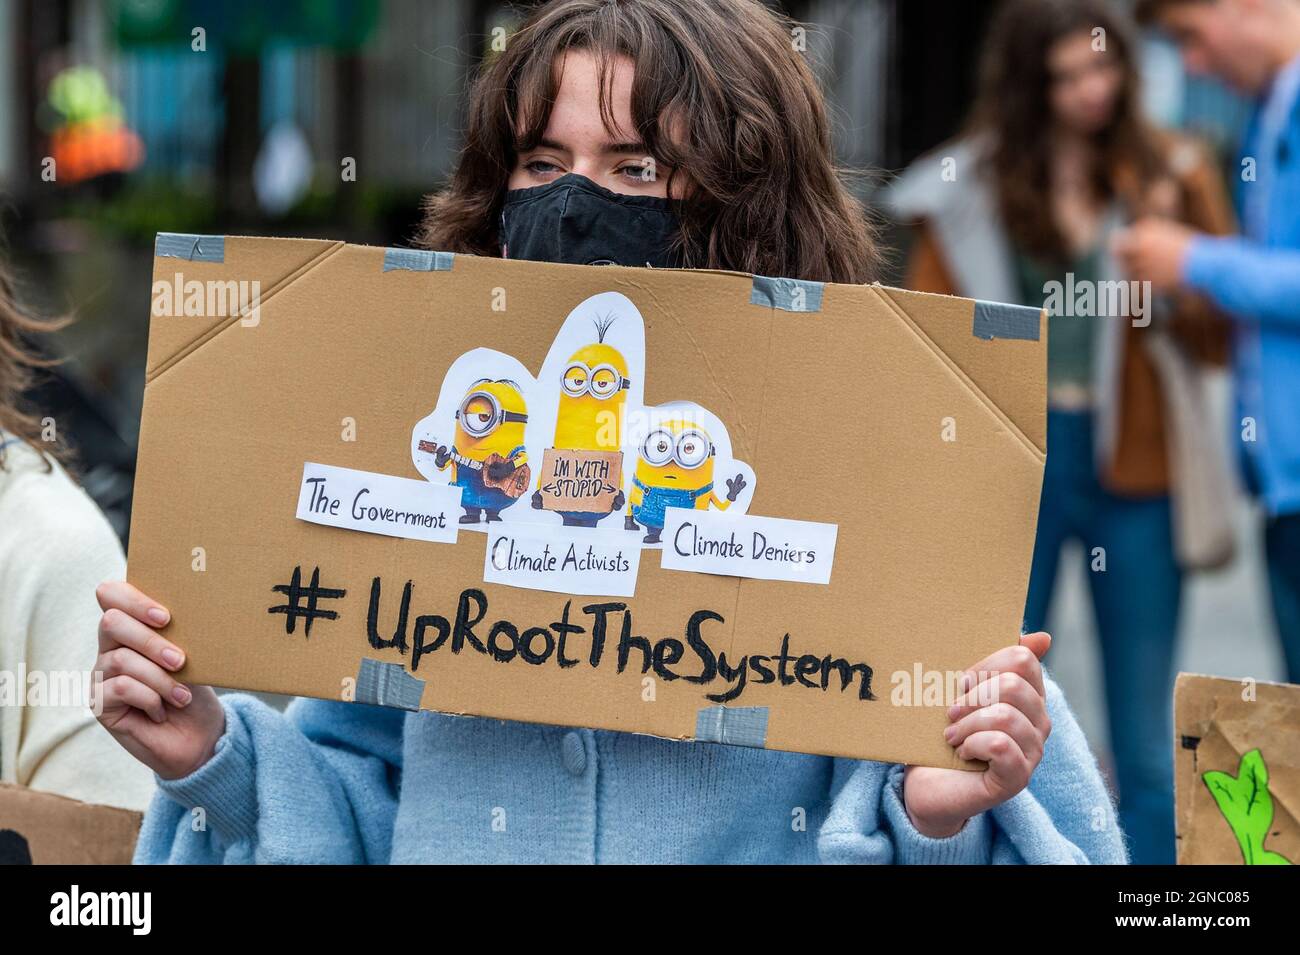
1282 548
1135 604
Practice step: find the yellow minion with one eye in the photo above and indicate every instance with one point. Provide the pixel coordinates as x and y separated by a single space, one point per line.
488 460
675 469
593 394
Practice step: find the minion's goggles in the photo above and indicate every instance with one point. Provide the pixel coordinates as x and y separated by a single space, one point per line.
689 449
482 422
602 382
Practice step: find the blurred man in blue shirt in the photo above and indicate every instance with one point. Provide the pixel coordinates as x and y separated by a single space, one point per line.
1254 46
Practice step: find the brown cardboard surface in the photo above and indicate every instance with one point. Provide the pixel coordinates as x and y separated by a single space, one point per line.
840 411
1255 741
54 830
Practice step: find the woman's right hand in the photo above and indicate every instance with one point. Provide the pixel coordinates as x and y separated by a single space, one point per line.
170 727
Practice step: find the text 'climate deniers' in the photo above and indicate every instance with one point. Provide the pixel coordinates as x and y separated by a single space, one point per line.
571 642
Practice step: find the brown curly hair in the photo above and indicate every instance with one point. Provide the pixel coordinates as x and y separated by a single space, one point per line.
754 134
18 362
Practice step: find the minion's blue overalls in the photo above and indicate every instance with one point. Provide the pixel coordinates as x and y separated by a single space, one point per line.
650 512
476 494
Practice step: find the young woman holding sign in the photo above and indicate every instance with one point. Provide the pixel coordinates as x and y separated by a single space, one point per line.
668 132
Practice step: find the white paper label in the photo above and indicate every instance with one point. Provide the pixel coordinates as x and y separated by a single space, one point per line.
746 545
568 560
379 503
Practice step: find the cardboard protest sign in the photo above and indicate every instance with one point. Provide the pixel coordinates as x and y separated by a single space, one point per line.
1237 771
817 507
39 828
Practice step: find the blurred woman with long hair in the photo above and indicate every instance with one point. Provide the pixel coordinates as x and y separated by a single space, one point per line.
1022 208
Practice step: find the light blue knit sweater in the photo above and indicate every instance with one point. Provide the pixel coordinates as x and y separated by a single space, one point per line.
341 782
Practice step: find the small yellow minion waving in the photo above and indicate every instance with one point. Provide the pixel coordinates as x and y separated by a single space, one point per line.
593 393
675 469
487 456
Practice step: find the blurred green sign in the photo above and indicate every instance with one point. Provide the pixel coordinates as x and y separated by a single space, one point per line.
244 26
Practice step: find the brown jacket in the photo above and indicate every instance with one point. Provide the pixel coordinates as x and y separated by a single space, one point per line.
1140 465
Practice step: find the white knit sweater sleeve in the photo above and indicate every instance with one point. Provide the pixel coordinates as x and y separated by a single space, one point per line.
55 548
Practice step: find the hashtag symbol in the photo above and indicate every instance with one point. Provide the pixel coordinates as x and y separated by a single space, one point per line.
294 608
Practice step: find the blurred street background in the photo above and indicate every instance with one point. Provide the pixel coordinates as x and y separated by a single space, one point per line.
249 127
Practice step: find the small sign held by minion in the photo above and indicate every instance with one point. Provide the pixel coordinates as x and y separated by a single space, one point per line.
581 482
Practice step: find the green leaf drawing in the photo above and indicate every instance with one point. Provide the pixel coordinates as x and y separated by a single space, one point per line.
1245 802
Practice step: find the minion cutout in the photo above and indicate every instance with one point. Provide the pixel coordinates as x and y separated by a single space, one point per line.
593 394
675 469
487 457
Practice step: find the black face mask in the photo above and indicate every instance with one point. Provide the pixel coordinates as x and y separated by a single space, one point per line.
574 220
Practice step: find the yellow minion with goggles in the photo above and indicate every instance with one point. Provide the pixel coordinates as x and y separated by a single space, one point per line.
675 469
593 394
487 458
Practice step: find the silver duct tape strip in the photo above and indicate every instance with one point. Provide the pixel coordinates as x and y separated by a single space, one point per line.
995 320
194 248
789 295
417 260
739 726
388 684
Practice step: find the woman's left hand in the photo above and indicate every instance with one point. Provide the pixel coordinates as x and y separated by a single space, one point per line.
1001 718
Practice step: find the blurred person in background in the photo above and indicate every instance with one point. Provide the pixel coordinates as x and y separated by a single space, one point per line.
1254 46
1057 158
55 546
